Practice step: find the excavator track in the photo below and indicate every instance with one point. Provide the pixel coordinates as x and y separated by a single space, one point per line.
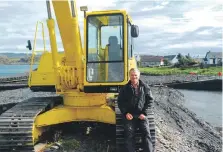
16 123
138 140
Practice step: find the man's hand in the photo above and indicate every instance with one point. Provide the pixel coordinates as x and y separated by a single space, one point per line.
129 116
142 117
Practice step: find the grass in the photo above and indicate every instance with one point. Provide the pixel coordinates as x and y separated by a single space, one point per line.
179 71
69 144
14 59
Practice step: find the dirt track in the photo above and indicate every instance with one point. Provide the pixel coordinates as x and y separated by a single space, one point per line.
178 129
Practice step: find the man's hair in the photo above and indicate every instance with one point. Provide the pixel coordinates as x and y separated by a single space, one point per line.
134 70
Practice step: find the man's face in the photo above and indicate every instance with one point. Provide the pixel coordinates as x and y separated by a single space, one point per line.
134 77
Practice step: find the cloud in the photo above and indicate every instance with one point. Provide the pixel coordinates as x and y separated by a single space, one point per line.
157 7
153 8
195 44
4 4
96 4
205 32
165 26
203 17
155 22
184 17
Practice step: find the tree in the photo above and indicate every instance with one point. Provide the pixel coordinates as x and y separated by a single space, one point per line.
186 60
189 59
181 59
166 62
179 56
188 56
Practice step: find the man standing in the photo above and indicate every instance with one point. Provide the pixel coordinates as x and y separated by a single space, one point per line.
133 101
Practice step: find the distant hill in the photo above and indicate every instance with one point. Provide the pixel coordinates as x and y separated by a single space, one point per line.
4 60
14 55
17 58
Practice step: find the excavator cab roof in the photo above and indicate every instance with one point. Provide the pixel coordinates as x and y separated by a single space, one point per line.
109 12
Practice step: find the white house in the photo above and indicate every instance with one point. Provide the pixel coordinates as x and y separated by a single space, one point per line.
150 60
171 58
213 58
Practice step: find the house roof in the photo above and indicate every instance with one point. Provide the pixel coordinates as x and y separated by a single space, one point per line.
214 54
150 58
169 57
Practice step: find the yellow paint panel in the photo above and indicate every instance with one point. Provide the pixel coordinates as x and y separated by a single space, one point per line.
62 114
106 12
103 19
81 99
44 75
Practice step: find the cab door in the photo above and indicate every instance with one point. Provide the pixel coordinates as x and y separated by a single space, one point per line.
106 52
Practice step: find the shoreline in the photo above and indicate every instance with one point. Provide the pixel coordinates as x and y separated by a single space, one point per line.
158 78
189 82
181 128
177 127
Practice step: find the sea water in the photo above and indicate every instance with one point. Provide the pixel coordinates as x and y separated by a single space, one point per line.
14 70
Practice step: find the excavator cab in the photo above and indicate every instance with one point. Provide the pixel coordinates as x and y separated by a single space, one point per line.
109 50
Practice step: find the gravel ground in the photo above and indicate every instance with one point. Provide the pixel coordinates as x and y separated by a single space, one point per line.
18 95
178 129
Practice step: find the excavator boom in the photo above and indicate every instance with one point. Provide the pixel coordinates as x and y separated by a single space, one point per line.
67 20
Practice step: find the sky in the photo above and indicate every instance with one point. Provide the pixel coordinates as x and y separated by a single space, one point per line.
166 27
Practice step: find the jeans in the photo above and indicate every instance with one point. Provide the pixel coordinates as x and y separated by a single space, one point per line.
129 132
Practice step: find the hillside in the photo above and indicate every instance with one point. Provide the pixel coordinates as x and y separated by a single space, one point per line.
15 55
16 58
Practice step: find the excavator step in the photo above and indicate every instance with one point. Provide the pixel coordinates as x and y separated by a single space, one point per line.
16 123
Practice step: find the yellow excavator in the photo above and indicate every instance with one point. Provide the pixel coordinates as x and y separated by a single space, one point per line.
87 79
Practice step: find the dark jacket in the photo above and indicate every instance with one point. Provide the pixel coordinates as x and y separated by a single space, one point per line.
127 104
